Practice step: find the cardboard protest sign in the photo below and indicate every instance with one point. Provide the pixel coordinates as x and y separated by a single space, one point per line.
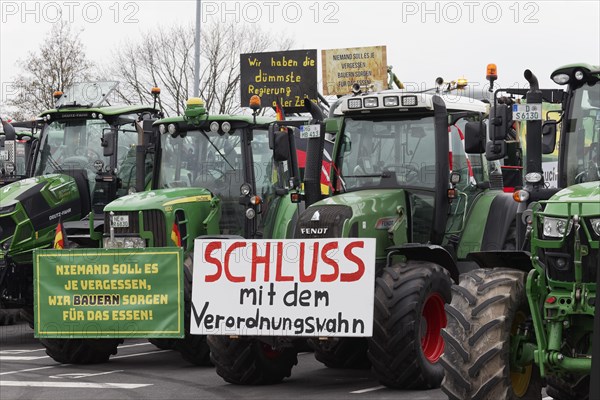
102 293
313 287
342 68
287 77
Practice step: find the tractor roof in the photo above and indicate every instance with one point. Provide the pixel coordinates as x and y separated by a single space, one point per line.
403 101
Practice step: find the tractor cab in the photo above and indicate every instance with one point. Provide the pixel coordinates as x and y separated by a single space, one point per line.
75 169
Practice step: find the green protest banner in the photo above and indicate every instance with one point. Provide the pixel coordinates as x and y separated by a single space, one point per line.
108 293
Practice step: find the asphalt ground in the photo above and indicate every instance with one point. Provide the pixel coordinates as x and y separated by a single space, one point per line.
142 371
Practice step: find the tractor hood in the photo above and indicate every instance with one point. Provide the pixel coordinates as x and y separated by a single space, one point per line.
366 213
585 196
159 199
31 208
44 199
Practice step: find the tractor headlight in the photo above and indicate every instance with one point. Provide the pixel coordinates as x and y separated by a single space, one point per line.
214 127
371 102
556 227
162 129
226 127
596 225
172 129
409 100
579 75
250 213
7 209
561 79
245 189
354 103
390 101
124 243
533 177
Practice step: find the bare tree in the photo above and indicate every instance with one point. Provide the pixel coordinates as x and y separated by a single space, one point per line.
165 58
59 62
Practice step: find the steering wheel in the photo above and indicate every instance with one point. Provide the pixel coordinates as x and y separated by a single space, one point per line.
409 171
91 154
212 179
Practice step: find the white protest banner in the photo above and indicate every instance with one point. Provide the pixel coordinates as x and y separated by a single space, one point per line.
310 287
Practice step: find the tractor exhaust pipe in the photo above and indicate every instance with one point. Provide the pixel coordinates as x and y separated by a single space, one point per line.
314 157
315 111
532 79
534 128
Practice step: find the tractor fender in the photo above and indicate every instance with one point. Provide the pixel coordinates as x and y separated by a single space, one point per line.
425 252
489 224
520 260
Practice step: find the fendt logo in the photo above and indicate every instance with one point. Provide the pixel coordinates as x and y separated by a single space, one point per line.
313 231
316 216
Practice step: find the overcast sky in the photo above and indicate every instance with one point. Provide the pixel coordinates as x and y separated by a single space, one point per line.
424 39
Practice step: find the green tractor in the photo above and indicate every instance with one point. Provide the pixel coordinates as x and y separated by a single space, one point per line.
525 318
214 177
402 174
77 166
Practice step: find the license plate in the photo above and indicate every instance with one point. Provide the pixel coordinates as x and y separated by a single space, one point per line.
120 221
527 112
310 131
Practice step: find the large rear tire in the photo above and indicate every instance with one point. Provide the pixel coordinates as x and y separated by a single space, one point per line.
248 361
193 348
487 309
81 351
409 316
344 353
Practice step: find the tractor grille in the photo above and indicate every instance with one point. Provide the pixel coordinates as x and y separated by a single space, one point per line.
7 227
154 221
560 262
329 223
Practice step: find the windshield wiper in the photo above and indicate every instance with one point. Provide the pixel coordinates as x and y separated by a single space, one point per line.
217 149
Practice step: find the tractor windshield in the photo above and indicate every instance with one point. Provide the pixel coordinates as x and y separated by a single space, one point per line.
208 160
387 153
77 144
71 145
202 159
582 135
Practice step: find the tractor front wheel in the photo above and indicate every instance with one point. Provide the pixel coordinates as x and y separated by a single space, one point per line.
409 316
344 353
488 328
247 361
81 351
193 348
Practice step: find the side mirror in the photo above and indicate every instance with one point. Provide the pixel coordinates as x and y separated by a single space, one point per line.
549 137
475 137
500 118
108 143
495 150
281 146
